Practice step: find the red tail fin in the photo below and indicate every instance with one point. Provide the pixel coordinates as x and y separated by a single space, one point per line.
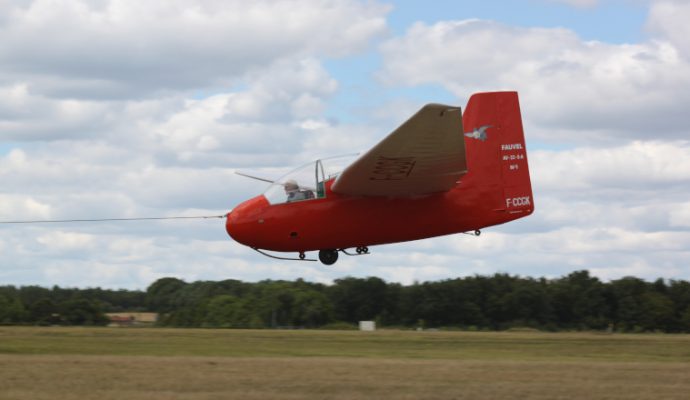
496 152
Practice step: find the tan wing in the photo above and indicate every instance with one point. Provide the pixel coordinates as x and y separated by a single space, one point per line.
424 155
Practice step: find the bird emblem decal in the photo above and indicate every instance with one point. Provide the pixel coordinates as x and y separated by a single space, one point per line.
478 133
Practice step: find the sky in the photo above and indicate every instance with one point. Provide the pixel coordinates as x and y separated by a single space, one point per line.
122 109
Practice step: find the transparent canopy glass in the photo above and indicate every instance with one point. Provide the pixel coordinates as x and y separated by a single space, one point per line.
307 182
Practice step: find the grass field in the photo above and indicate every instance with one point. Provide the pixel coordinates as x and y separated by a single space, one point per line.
116 363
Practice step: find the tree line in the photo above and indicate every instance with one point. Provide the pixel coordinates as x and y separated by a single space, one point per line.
577 301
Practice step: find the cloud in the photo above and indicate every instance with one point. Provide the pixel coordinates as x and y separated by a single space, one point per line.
571 90
20 207
265 123
66 241
121 48
59 118
680 215
667 20
262 121
637 166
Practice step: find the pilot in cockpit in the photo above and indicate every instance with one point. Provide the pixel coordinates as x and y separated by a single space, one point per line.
294 193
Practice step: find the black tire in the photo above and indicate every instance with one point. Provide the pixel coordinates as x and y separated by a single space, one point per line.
328 257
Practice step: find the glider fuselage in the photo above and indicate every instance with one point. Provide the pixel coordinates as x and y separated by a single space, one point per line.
340 221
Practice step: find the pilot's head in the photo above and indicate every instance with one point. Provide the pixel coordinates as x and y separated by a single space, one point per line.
291 185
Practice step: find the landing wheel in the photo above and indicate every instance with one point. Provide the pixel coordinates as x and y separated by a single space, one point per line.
362 250
477 232
328 257
301 255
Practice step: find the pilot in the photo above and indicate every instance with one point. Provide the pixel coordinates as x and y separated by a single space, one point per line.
294 193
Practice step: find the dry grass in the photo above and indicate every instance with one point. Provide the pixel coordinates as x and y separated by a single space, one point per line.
63 364
126 377
522 346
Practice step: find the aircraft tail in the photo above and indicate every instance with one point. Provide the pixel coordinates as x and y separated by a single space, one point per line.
496 152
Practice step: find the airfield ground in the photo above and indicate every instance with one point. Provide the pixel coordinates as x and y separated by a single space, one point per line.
121 363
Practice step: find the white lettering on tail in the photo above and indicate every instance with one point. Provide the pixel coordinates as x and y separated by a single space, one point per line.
518 202
511 146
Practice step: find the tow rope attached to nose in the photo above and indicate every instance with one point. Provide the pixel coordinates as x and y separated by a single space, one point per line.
51 221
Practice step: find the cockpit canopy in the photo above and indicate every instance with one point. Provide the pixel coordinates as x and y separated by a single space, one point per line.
308 181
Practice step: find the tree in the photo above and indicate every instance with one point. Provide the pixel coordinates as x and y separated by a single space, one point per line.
656 312
685 320
29 294
227 311
631 303
161 295
11 310
357 299
575 301
580 301
311 308
81 312
528 303
280 303
679 294
43 312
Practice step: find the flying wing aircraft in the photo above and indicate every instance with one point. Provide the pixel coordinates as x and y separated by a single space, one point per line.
441 172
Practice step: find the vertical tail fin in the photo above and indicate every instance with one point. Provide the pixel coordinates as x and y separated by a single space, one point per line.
496 152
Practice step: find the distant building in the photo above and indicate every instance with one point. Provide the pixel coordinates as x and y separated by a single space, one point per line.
367 325
132 319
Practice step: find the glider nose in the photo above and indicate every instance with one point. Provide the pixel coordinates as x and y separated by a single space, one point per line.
242 220
234 226
228 223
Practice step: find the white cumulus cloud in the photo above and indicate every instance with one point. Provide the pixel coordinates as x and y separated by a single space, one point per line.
572 90
124 48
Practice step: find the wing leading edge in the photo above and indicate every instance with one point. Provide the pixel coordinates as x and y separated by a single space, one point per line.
426 154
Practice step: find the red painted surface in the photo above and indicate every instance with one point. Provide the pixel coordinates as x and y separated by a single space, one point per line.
495 190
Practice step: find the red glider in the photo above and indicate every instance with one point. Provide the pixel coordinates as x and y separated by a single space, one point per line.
439 173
